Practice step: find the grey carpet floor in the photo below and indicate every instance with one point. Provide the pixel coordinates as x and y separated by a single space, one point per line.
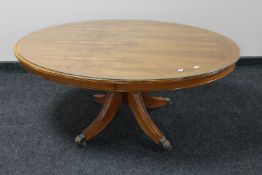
215 129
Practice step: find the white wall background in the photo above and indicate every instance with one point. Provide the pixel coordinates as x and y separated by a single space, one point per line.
241 20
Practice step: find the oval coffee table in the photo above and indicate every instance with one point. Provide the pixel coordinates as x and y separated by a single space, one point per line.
129 59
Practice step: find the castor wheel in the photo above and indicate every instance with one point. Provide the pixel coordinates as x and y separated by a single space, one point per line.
168 100
80 140
166 144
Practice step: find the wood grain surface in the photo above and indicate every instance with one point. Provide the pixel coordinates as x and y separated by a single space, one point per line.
111 51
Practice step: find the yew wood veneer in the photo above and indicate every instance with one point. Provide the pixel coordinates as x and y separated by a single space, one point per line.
129 59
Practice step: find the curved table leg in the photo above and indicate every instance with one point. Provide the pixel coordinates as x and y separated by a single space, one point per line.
154 102
136 104
111 104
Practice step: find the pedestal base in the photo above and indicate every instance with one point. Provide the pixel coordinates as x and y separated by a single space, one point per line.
137 102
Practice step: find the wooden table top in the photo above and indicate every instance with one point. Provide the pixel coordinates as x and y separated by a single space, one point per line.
126 51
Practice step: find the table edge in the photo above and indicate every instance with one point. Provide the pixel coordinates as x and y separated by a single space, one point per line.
122 85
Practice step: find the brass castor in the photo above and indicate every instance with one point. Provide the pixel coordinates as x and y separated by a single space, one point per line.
166 144
80 140
169 101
